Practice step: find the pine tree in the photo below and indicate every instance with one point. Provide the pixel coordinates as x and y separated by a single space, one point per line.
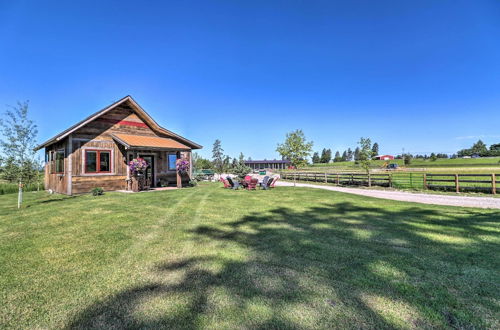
337 157
315 158
326 156
344 156
356 154
350 154
218 157
375 149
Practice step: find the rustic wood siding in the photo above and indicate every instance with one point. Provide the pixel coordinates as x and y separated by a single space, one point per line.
57 182
97 135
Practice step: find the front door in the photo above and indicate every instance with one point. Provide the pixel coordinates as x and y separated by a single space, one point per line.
150 171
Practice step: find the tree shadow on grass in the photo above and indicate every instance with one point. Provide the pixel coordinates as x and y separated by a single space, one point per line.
337 265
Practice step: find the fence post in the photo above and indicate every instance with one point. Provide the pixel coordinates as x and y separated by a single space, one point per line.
493 184
326 180
457 188
425 181
369 180
411 180
390 180
338 179
294 178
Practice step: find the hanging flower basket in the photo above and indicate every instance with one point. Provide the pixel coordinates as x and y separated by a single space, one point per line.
137 165
182 165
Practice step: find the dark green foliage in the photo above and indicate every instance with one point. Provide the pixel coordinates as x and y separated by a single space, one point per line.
97 191
326 156
218 157
407 159
480 149
375 149
356 154
240 169
315 158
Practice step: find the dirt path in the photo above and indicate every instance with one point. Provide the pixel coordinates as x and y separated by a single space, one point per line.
466 201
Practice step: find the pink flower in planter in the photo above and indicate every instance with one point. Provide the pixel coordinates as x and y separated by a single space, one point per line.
182 165
137 165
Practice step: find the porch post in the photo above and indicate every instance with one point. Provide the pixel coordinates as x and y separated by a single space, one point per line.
178 176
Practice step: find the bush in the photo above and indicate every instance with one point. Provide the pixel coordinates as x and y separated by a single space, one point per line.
193 183
97 191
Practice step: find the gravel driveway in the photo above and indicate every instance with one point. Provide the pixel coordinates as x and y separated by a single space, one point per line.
466 201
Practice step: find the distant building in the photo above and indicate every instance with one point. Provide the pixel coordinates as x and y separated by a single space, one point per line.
384 157
268 164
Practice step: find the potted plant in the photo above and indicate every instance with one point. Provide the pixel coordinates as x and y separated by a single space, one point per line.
183 166
137 166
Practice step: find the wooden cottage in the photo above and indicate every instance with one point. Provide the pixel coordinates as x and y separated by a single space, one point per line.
95 152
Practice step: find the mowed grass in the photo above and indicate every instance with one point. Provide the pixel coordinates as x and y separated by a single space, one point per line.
420 162
206 257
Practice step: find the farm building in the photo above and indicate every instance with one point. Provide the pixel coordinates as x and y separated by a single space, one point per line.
268 164
95 152
384 157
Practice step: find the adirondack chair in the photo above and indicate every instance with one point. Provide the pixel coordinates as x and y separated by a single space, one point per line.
246 182
234 184
265 183
269 183
253 184
225 182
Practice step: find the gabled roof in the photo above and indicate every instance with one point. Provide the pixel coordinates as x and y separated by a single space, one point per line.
140 112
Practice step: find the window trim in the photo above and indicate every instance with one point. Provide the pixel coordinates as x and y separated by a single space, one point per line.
54 154
168 161
98 161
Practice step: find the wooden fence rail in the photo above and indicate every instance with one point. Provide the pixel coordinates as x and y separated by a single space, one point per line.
462 182
451 182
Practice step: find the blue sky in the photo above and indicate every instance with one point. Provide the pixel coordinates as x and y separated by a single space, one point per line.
419 75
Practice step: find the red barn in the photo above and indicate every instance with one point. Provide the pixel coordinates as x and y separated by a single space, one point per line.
384 157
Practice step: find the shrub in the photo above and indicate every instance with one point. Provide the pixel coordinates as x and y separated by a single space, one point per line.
193 183
97 191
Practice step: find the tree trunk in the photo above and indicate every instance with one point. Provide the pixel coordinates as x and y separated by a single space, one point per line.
20 195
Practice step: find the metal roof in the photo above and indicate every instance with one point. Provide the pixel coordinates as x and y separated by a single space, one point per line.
137 108
149 142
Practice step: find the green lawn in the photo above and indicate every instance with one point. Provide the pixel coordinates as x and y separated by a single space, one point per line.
206 257
419 162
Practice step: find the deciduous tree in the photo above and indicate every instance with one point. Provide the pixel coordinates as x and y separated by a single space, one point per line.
365 153
18 144
295 148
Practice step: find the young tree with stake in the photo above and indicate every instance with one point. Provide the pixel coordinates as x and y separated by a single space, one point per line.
295 148
18 144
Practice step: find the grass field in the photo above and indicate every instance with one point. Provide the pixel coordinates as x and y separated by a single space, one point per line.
206 257
421 163
12 188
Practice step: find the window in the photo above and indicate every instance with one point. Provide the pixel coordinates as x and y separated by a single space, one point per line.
172 159
97 161
59 161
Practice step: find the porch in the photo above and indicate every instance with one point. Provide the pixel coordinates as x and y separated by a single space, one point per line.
161 154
